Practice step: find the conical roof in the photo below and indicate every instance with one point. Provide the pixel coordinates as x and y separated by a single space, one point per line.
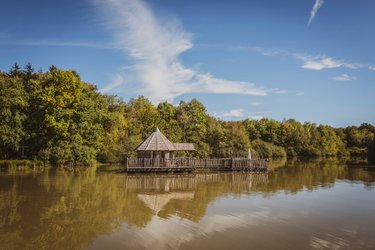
156 202
156 142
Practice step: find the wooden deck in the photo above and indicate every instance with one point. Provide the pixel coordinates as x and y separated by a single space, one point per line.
192 164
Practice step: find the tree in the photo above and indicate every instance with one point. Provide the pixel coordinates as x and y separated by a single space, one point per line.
65 121
168 121
15 70
28 71
13 105
192 119
237 137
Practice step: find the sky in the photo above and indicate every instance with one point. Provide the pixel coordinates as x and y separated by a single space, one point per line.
310 60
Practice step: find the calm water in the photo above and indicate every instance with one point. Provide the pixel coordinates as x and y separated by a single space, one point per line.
303 205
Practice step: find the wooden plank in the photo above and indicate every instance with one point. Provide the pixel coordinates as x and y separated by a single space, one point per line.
190 164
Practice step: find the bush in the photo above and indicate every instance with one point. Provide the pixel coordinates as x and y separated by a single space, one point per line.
291 152
310 151
356 151
8 164
268 150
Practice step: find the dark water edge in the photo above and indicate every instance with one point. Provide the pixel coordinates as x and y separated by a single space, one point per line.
298 204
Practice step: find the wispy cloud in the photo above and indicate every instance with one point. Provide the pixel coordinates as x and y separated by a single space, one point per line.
310 62
156 47
321 63
256 117
256 104
278 91
317 5
233 113
240 113
86 44
343 77
117 81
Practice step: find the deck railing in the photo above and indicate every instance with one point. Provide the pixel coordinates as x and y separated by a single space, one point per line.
180 164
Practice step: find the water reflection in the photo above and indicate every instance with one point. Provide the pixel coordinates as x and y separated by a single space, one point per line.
59 209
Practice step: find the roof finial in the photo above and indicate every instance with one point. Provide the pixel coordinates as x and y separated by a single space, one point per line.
157 130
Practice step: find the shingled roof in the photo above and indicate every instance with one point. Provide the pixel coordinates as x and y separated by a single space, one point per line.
158 142
184 146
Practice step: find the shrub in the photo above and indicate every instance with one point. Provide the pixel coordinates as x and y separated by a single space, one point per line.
310 151
267 150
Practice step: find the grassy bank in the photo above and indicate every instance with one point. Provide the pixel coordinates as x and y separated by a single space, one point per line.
22 164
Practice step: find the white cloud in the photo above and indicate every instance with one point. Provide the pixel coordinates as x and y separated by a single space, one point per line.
210 84
59 43
161 233
256 103
156 48
344 77
117 81
354 65
234 113
317 5
300 93
311 62
322 63
240 113
256 117
278 91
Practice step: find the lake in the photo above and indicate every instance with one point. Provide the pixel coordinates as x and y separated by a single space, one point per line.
296 205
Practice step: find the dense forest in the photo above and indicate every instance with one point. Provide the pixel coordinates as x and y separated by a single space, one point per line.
57 118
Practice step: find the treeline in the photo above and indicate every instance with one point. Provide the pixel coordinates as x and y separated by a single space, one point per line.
56 117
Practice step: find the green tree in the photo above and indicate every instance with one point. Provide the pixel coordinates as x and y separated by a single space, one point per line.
168 121
13 105
192 118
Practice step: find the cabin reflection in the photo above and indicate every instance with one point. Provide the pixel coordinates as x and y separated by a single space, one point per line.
156 202
160 183
67 210
159 191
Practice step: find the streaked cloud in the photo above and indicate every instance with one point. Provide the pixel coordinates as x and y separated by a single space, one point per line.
320 62
117 81
161 233
278 91
156 47
309 61
240 113
317 5
343 77
256 117
233 113
256 104
59 43
324 63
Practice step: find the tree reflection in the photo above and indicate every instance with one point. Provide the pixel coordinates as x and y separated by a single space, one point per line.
61 209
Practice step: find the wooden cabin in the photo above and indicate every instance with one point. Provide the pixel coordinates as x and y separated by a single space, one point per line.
157 154
157 145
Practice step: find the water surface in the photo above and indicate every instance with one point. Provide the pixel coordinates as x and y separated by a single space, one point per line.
302 205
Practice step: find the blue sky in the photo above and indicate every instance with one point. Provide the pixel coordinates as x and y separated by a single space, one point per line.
311 60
